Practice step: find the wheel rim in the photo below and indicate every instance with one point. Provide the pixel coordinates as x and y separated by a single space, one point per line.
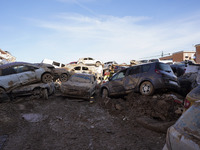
63 78
146 88
47 78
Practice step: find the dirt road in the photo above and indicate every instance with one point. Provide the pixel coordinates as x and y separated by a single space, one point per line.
69 124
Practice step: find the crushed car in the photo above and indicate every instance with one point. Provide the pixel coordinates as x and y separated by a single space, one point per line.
17 74
185 133
58 73
145 78
38 89
79 86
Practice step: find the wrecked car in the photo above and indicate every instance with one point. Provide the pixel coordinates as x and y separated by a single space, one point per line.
58 73
191 97
38 89
145 78
79 86
185 133
17 74
81 69
89 61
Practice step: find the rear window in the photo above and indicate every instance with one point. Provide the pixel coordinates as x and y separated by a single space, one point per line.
189 122
164 67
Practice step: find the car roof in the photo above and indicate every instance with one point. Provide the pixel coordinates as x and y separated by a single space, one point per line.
13 64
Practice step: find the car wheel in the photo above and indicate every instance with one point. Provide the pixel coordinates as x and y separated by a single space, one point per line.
146 88
47 78
45 94
97 64
63 77
104 93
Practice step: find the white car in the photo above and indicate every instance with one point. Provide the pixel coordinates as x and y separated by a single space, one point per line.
89 61
79 86
17 74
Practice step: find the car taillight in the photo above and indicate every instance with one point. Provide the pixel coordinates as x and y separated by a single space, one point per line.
186 103
157 71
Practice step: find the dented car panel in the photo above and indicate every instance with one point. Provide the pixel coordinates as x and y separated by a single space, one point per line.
33 89
17 74
79 86
185 133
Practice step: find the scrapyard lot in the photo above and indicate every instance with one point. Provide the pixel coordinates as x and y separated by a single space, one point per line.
107 123
62 123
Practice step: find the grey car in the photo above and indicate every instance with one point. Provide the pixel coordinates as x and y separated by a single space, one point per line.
17 74
145 78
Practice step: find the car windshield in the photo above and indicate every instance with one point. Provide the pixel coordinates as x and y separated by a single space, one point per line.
80 78
190 121
165 67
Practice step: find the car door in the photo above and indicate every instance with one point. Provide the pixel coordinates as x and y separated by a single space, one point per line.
26 74
9 79
132 78
116 83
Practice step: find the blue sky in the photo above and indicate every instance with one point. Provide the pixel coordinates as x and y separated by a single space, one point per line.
120 30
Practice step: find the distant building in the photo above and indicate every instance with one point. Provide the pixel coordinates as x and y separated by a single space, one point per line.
6 57
197 57
180 56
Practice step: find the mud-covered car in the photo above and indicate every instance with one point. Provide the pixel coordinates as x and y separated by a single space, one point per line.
38 89
17 74
58 73
185 133
79 86
191 97
145 78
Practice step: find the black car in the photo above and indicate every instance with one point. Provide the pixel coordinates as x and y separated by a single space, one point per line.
145 78
178 69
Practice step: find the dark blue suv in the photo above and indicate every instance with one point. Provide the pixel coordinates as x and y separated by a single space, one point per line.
145 78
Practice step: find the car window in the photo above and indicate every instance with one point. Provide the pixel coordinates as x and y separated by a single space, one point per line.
164 67
85 59
119 76
134 70
8 71
77 68
23 68
84 68
56 64
90 58
145 68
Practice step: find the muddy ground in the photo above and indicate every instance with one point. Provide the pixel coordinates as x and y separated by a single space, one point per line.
73 124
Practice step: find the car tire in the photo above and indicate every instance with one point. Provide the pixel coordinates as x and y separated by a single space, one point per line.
97 64
146 88
47 78
45 94
104 93
63 77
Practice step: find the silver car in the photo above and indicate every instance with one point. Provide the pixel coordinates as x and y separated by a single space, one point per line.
17 74
79 86
185 133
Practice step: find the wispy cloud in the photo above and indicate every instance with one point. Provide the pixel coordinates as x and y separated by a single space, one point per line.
120 38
